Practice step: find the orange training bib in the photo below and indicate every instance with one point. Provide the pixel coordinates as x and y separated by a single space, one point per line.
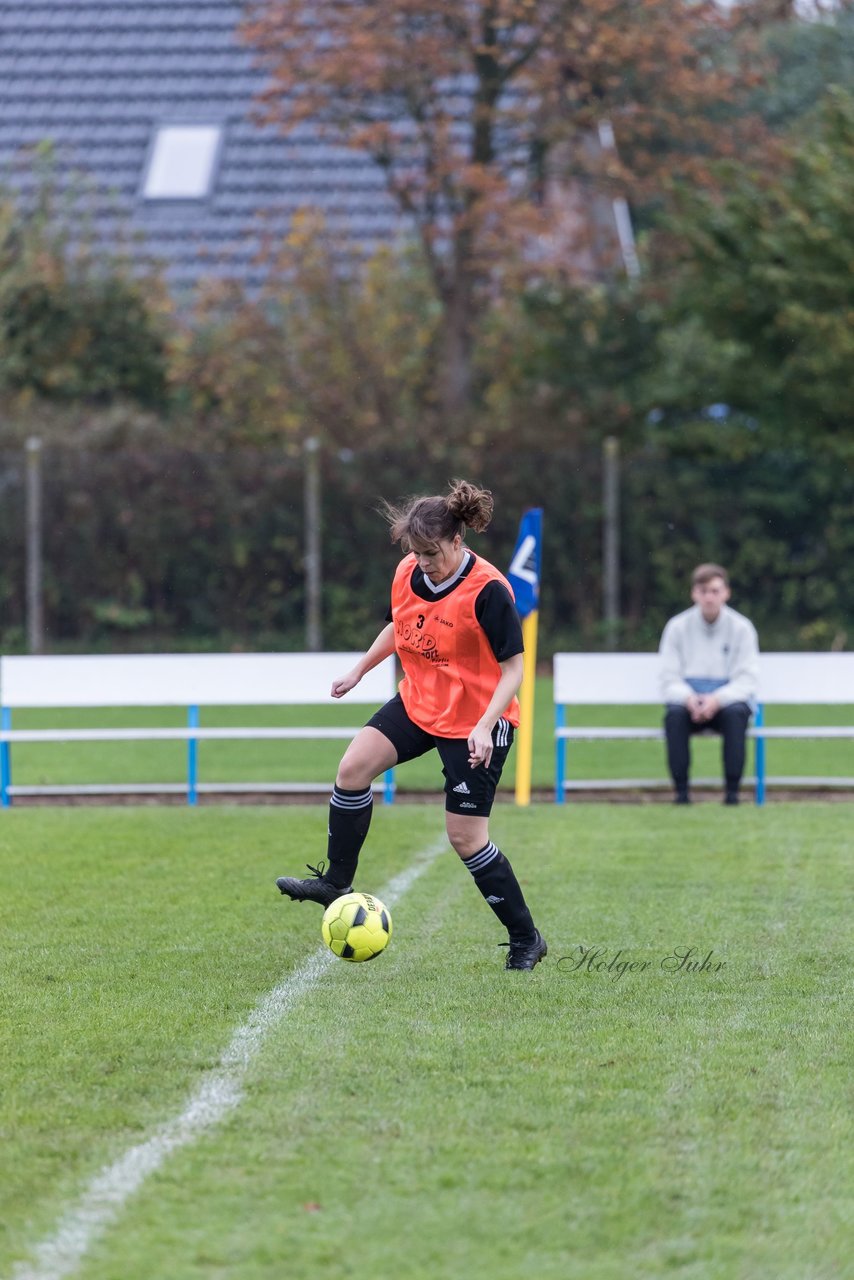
449 669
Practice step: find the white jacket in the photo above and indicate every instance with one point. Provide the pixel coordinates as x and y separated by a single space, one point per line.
699 656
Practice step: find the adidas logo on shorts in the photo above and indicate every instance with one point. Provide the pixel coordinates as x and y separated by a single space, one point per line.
462 788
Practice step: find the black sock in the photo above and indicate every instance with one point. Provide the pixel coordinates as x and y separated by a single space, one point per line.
349 820
496 880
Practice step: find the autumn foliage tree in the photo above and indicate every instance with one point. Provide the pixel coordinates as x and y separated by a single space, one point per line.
339 357
484 117
76 323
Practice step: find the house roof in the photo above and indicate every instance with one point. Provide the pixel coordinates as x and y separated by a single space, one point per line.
96 79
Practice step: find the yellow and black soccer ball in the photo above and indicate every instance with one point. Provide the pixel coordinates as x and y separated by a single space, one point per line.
356 926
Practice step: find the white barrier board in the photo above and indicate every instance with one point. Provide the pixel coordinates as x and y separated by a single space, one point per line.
203 679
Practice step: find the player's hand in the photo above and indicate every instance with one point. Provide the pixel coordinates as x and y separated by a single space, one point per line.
480 746
345 684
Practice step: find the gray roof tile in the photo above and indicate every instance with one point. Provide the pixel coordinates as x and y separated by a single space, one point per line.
96 78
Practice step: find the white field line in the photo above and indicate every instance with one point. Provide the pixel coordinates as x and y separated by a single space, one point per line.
220 1091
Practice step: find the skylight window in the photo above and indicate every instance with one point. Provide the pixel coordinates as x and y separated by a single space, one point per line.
182 162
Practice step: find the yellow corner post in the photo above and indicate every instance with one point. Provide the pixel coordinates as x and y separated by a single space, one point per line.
525 734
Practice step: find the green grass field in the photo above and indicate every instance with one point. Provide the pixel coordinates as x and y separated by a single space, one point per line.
429 1115
307 761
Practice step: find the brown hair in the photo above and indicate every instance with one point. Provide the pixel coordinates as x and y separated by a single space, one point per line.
705 572
423 522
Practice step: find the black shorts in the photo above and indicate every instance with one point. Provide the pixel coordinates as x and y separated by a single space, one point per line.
468 791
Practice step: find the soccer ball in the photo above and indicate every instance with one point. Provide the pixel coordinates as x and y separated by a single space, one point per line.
356 926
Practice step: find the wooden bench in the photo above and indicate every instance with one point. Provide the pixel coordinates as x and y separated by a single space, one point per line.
192 681
632 679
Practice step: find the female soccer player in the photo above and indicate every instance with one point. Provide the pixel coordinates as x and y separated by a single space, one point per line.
457 634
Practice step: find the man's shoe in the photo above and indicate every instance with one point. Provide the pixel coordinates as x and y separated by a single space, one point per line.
316 888
731 797
526 953
681 797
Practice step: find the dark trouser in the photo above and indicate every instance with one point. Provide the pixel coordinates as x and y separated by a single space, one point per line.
730 722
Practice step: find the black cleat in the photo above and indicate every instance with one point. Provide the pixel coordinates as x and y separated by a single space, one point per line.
526 953
316 888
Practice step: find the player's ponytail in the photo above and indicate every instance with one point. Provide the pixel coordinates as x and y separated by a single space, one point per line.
470 505
422 522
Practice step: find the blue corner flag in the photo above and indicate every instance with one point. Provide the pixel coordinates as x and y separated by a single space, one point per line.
525 567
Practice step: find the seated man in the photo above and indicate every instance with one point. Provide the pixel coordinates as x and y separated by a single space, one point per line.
709 677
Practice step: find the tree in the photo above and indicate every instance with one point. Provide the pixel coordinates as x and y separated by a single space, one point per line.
765 290
570 365
808 56
480 111
76 324
317 353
